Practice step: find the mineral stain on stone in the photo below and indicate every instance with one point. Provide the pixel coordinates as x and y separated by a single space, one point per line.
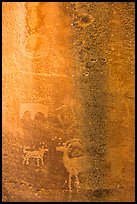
71 79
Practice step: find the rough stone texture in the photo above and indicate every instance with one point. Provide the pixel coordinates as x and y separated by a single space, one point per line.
77 59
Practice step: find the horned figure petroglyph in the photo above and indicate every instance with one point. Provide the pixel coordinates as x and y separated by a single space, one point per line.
36 154
33 108
76 163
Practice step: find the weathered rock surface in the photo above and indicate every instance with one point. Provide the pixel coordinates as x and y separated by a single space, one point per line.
75 60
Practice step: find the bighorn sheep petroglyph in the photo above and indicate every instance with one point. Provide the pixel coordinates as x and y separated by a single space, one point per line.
75 161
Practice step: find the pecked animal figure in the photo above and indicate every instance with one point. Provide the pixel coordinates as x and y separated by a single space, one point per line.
36 154
33 108
75 160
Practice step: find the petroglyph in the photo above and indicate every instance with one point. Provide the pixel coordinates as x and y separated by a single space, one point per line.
33 108
36 154
77 163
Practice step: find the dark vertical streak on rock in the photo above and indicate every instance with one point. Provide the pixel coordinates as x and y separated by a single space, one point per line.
92 72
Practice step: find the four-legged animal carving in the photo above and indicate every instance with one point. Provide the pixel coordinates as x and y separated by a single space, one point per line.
37 154
33 108
75 164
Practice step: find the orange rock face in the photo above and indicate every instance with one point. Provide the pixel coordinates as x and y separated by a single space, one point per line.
68 106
